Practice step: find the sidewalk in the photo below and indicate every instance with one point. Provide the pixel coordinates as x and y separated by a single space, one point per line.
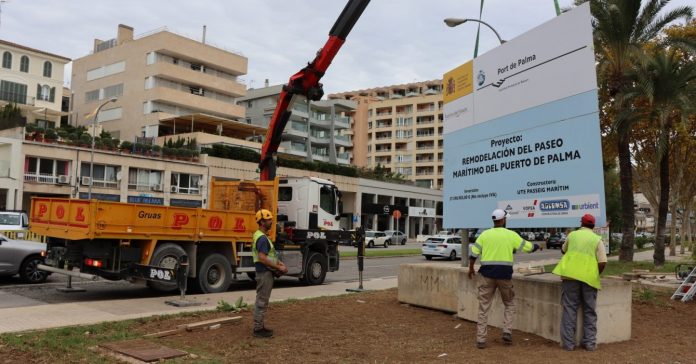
83 313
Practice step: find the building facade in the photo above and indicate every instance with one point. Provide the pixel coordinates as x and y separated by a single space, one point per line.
400 128
155 76
33 80
315 131
42 169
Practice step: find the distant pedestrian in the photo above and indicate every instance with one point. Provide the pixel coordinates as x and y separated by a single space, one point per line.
583 261
267 263
496 247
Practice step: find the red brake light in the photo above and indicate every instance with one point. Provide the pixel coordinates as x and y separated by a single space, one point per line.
442 245
94 263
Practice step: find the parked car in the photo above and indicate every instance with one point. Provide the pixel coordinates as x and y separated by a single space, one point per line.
540 235
442 246
374 238
555 240
396 237
22 257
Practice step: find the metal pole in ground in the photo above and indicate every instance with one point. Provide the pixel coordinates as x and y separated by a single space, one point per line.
360 240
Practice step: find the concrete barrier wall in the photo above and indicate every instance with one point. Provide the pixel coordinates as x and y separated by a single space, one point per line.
537 299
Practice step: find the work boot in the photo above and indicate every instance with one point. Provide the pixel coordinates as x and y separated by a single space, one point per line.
263 332
507 338
481 344
589 347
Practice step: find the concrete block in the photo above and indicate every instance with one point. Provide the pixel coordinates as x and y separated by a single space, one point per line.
537 300
429 285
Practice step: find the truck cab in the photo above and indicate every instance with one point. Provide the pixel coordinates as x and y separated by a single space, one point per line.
309 203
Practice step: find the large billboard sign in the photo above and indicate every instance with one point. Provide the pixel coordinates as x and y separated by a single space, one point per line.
521 130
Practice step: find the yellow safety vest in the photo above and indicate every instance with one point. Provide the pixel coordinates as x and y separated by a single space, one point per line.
272 255
497 245
580 261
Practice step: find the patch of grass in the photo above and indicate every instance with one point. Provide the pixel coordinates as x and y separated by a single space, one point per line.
71 344
382 252
238 306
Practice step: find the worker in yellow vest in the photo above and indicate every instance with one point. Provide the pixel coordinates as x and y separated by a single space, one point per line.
496 247
266 262
583 261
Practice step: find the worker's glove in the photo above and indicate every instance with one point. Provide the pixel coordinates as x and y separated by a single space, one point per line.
537 247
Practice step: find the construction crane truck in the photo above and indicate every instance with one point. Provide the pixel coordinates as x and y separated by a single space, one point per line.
140 242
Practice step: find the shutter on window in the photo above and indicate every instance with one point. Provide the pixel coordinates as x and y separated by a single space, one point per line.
53 94
38 92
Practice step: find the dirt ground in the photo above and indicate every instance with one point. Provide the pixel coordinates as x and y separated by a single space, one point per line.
374 327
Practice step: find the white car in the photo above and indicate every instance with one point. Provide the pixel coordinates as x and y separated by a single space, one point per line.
396 237
22 257
442 246
374 238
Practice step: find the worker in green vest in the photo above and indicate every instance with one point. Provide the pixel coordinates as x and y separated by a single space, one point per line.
267 267
496 247
583 261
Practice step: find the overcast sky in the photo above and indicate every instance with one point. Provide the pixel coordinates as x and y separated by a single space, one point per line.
395 41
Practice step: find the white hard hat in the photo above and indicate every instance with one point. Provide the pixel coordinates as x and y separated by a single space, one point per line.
498 214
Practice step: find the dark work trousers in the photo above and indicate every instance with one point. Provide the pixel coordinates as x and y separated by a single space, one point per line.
573 294
264 285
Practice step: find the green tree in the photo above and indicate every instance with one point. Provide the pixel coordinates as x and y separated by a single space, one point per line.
666 82
621 29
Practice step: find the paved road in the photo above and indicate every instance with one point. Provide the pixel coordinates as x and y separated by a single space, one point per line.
14 294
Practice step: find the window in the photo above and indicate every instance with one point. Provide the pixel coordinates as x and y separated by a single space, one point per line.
45 93
91 95
14 92
43 170
144 179
48 69
24 64
107 70
327 200
105 176
186 183
285 193
113 91
7 60
45 124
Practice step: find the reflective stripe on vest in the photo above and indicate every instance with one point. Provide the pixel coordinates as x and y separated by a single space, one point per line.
272 255
580 261
497 245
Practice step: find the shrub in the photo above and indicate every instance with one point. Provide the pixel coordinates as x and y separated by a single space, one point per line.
51 134
30 128
126 145
156 148
85 139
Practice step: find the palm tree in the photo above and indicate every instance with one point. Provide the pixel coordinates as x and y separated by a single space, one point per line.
665 80
621 29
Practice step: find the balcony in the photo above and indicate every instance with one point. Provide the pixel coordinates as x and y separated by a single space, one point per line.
425 147
17 98
425 121
192 77
382 151
186 99
47 178
425 135
383 126
424 173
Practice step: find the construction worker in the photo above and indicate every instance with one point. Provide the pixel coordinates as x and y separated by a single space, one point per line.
267 267
496 247
583 261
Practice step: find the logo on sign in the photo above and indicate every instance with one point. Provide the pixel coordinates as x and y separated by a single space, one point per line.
316 235
554 205
160 274
60 211
481 78
42 209
450 86
328 223
586 206
80 214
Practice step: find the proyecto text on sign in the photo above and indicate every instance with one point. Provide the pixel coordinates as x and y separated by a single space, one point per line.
521 130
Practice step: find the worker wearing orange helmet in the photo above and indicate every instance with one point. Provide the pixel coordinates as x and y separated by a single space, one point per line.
267 266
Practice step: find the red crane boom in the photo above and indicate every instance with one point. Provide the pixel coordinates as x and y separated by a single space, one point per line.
306 83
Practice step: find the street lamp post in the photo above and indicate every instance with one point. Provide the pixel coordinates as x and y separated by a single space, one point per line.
94 128
453 22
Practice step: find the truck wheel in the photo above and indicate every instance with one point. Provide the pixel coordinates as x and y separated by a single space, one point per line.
165 256
316 270
214 274
29 273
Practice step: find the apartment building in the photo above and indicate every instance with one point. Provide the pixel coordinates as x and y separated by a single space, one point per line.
399 128
158 76
33 80
316 131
